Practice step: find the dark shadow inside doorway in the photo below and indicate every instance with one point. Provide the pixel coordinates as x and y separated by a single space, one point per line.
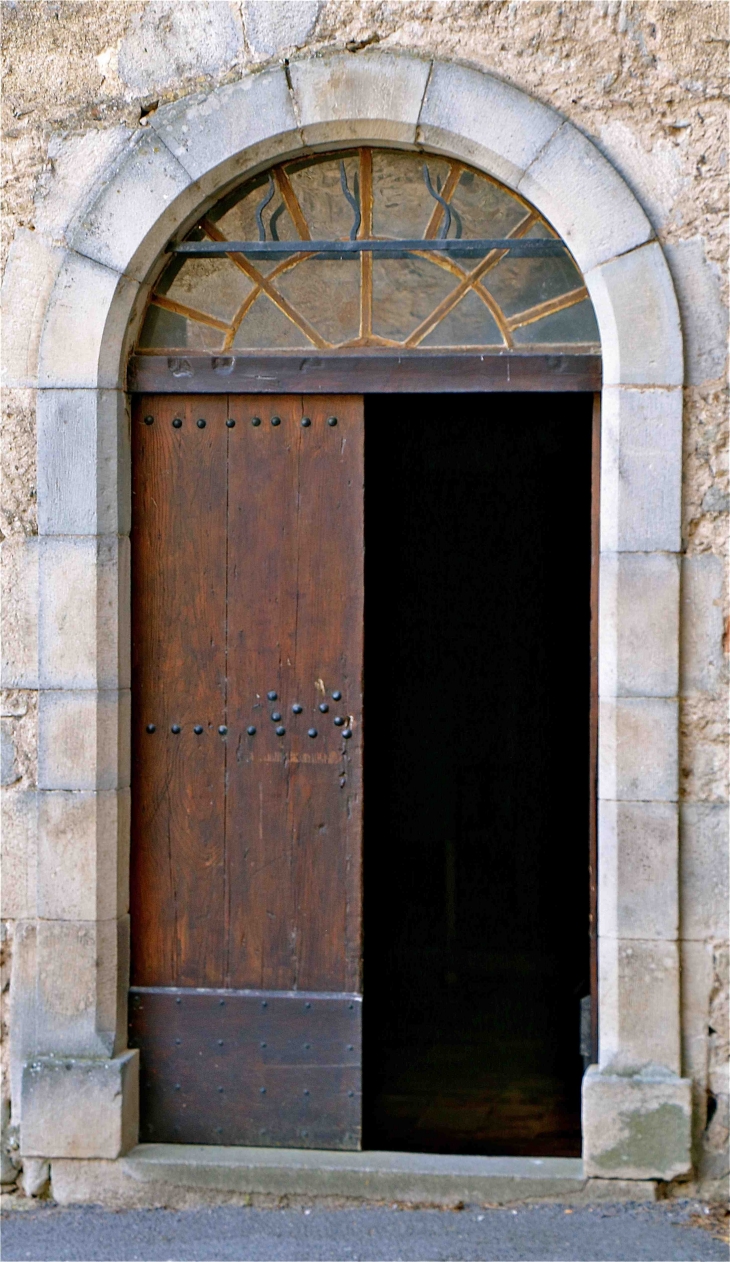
476 722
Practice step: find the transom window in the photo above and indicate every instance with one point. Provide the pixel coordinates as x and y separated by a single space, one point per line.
374 249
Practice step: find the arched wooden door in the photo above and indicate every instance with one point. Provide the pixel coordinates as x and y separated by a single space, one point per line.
247 554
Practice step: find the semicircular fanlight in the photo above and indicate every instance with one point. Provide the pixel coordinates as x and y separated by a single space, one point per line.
372 248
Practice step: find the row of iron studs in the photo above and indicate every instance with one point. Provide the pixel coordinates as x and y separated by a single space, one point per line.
275 716
230 423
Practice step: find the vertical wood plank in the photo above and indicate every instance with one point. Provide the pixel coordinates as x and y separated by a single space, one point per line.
295 628
178 678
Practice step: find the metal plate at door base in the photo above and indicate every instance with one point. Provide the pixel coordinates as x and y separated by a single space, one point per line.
261 1068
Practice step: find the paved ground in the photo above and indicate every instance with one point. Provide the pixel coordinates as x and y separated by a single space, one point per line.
661 1233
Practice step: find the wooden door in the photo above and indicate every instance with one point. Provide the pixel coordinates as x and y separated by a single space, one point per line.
247 556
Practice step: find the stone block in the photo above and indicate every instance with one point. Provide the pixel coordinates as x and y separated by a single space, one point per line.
84 612
638 749
638 612
636 309
641 470
273 27
30 272
485 121
638 986
698 282
83 855
165 44
703 865
83 462
83 740
143 199
19 841
636 1127
373 96
80 1108
703 667
87 320
637 870
219 136
19 612
585 199
76 168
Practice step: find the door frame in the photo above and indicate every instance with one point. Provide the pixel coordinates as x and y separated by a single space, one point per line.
72 343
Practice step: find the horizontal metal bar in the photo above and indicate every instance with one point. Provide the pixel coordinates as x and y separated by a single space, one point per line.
475 248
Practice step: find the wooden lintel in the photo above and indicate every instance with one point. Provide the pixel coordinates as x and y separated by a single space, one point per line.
440 373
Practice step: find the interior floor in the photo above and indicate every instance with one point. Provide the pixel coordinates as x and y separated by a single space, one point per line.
477 679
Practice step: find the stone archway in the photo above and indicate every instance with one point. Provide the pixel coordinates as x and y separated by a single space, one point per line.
78 307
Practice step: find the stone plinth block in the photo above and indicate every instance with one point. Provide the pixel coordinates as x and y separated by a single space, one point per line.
80 1108
219 136
373 96
470 115
636 1126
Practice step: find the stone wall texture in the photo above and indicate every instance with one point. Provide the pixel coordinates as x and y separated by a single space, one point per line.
647 81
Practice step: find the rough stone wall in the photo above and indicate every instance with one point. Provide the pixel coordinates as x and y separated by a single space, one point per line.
646 80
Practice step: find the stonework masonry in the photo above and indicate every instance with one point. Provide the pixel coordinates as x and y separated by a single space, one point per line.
646 83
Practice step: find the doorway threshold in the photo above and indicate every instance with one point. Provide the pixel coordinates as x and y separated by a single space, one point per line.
391 1177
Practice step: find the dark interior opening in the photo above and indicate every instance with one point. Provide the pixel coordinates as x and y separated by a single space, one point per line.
477 691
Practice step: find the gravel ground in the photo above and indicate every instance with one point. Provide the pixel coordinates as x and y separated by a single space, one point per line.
660 1232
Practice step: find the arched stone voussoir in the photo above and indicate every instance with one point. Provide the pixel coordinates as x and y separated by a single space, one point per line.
144 198
218 137
474 116
92 314
374 96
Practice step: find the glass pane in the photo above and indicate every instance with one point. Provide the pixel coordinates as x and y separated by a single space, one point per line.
405 292
266 326
471 323
316 184
518 284
402 205
574 324
163 330
214 286
483 209
328 291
